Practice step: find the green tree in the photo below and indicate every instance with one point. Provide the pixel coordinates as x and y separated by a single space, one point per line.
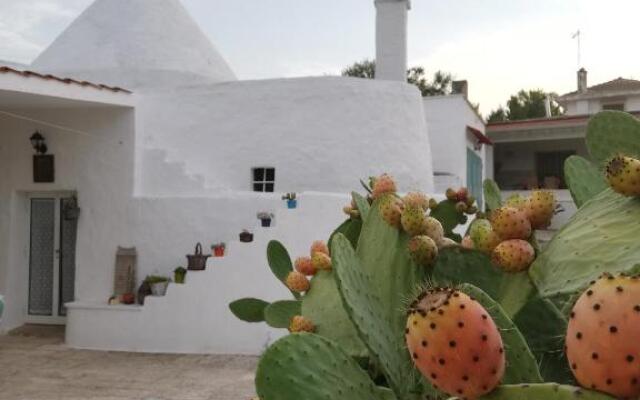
440 84
526 104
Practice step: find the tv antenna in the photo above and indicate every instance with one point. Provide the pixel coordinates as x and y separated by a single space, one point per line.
576 36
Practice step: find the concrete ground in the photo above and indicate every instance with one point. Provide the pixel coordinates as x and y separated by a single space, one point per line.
36 365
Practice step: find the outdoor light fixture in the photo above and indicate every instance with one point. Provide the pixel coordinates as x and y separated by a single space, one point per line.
43 164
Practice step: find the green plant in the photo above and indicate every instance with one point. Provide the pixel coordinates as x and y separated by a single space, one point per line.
179 274
359 307
151 279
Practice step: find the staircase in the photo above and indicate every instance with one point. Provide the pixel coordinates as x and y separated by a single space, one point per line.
194 317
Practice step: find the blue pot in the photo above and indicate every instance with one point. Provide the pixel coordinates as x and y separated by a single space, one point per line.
292 203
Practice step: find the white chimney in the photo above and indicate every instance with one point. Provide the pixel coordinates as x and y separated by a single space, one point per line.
391 39
547 106
582 80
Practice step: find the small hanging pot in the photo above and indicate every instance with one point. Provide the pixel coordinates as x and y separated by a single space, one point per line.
197 261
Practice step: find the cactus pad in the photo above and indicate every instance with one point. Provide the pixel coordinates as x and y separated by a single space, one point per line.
280 262
449 217
351 229
279 313
248 310
521 364
613 132
583 178
323 306
310 367
543 391
492 195
362 204
598 238
456 265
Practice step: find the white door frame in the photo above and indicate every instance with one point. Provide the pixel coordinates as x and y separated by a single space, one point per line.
54 318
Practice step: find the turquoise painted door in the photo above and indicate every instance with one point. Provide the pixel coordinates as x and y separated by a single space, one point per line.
474 176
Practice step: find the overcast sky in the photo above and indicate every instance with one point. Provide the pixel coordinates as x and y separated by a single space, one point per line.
500 46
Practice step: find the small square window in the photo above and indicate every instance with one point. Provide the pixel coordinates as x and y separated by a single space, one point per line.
264 179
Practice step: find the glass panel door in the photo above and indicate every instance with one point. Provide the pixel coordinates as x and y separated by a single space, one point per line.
41 257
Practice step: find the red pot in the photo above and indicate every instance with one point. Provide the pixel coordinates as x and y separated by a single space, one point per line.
218 251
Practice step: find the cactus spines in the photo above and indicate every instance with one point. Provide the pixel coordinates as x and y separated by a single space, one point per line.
623 175
417 200
423 250
412 220
382 185
301 324
540 208
602 337
391 210
304 265
483 236
319 246
454 343
297 282
513 255
321 261
510 223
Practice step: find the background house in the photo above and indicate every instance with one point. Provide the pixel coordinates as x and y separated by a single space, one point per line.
530 153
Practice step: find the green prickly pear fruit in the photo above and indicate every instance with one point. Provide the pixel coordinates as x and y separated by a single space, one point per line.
467 243
297 282
513 255
321 261
391 210
384 184
602 337
423 250
417 200
540 208
483 236
433 228
516 201
304 265
412 220
510 223
319 246
301 324
451 194
455 343
623 175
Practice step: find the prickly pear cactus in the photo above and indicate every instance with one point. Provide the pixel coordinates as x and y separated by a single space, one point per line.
492 195
583 178
612 132
310 367
544 391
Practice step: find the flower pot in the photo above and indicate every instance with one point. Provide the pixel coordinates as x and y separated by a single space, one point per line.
178 277
218 251
292 203
128 298
246 237
160 288
266 222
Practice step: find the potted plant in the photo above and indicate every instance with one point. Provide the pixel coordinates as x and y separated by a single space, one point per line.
291 200
265 218
179 274
158 284
217 249
246 236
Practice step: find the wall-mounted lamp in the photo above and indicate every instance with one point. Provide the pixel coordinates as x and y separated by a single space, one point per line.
38 143
43 164
477 146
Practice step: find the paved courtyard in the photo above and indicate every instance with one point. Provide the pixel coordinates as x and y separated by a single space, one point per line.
36 365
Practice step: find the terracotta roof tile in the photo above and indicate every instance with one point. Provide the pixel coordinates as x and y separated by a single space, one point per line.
68 81
616 85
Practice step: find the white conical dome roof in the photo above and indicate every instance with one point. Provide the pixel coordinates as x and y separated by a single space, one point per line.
135 43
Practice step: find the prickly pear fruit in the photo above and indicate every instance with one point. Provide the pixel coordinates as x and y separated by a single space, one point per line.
423 250
516 201
321 261
513 255
433 203
391 210
304 265
483 236
470 200
454 343
623 175
319 246
433 228
297 282
602 337
351 211
510 223
382 185
462 194
540 208
446 242
301 324
472 210
412 220
451 194
467 242
461 207
416 200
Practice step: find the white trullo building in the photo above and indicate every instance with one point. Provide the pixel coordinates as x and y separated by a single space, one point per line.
163 147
